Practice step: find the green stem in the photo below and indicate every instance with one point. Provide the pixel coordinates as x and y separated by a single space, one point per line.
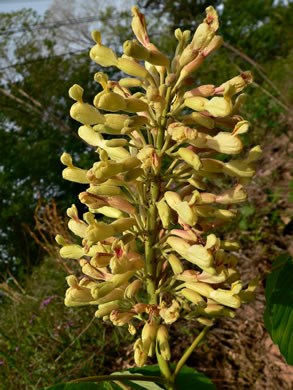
102 378
166 144
165 371
150 263
160 138
189 351
171 166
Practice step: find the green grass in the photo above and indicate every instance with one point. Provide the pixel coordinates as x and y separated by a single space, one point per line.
35 337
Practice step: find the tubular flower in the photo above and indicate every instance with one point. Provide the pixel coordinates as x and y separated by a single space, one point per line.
147 250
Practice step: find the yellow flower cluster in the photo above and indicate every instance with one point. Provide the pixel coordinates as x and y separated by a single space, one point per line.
158 260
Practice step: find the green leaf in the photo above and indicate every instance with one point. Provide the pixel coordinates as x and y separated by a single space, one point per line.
187 378
247 210
139 385
278 316
84 386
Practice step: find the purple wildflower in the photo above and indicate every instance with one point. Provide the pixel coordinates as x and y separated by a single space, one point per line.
45 302
32 318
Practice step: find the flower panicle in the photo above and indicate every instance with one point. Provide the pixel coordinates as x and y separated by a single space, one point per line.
160 141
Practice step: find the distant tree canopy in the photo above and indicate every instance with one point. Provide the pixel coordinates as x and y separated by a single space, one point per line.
35 127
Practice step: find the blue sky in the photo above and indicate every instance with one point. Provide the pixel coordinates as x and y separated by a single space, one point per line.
14 5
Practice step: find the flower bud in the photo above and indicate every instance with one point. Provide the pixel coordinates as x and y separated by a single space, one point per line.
193 297
234 195
104 189
101 54
121 204
78 227
187 235
131 329
240 82
202 91
157 58
140 307
90 136
101 290
103 170
138 25
202 36
83 112
214 44
162 339
114 295
133 68
213 310
195 182
105 309
175 264
184 210
132 290
148 335
209 165
254 154
133 174
248 295
219 107
186 57
98 231
190 68
225 142
89 270
146 156
120 265
91 201
140 356
110 212
73 173
199 119
122 224
220 277
196 103
133 49
188 276
120 318
117 142
229 245
207 198
212 18
120 279
170 314
205 321
72 251
190 157
109 101
135 105
225 298
212 242
76 295
100 260
201 288
130 82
